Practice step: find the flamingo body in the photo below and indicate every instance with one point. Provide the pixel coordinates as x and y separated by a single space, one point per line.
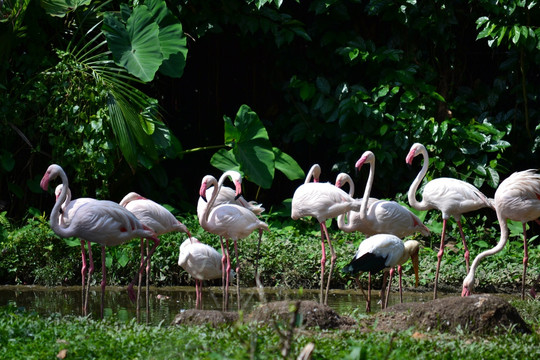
517 198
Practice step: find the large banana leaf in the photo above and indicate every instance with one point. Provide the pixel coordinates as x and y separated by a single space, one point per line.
135 46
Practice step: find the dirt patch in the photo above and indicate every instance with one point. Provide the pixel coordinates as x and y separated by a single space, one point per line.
481 314
312 314
201 317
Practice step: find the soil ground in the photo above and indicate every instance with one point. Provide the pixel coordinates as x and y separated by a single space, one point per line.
479 314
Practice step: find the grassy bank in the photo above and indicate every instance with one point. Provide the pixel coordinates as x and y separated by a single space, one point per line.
28 336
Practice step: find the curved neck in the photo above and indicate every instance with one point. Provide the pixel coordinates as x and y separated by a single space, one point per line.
502 242
416 183
369 184
55 213
210 204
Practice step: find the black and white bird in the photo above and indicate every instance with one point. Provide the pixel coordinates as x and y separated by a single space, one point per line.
383 252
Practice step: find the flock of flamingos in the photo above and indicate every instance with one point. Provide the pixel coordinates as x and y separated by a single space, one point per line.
223 211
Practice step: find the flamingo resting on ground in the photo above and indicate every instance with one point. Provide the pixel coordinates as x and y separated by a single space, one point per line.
517 198
380 252
100 221
229 221
322 201
452 197
383 216
202 262
157 218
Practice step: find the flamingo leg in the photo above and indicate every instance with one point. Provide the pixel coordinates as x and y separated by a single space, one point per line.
147 282
383 288
400 272
131 293
257 280
439 257
525 261
138 306
323 261
90 272
83 272
385 302
224 274
368 302
103 279
332 263
196 294
228 272
237 273
467 254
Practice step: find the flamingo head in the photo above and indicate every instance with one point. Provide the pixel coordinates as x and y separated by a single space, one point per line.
414 151
236 178
52 172
468 284
367 157
206 181
58 190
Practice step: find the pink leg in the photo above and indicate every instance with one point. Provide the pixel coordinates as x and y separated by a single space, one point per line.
223 266
237 273
103 279
385 301
90 273
84 266
131 293
138 306
400 271
227 272
525 261
368 302
323 262
332 263
439 257
464 246
196 293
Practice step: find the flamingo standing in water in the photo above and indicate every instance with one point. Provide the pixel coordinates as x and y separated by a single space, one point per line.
157 218
452 197
230 221
380 252
228 196
202 262
100 221
322 201
517 198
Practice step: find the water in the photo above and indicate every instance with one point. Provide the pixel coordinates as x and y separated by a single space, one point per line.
166 302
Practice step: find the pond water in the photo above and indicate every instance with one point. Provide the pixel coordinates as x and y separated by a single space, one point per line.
166 302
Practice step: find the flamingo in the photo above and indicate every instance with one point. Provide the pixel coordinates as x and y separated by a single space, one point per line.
228 196
452 197
202 262
354 222
230 221
517 198
100 221
383 252
322 201
157 218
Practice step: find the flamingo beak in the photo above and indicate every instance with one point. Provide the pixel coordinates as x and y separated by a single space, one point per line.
238 187
202 192
410 157
44 183
465 292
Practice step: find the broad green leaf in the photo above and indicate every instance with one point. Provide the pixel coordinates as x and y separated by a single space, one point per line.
225 160
136 45
121 132
60 8
174 65
256 160
287 165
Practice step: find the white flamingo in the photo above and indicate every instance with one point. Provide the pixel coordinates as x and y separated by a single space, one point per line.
452 197
322 201
517 198
229 221
202 262
383 252
100 221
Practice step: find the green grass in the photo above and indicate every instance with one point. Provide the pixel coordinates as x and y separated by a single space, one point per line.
27 336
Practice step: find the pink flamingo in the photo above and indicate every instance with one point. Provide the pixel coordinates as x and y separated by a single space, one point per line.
517 198
383 252
322 201
100 221
202 262
383 216
230 221
452 197
157 218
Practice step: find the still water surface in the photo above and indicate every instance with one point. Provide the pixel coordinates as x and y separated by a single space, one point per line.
166 302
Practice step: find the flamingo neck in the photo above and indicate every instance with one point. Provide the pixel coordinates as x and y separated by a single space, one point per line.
367 190
210 204
416 183
55 213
